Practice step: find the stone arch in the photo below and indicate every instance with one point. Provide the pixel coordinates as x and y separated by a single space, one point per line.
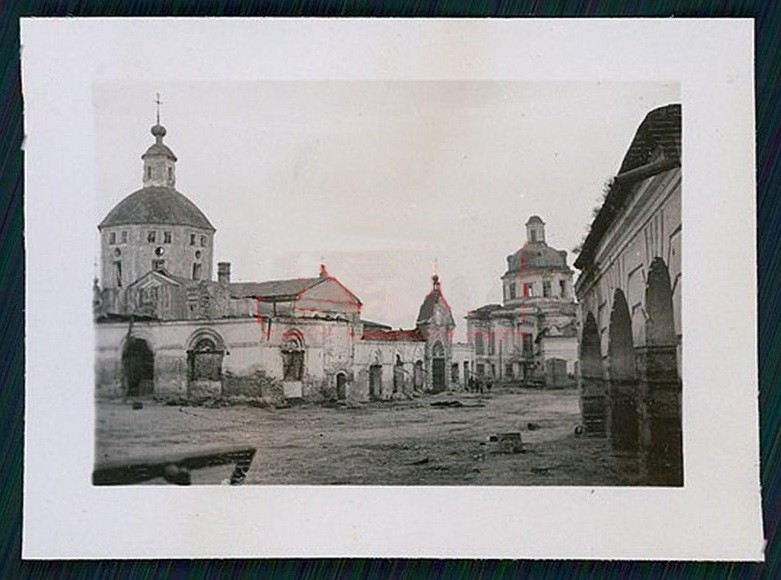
205 353
660 322
659 367
293 339
592 379
398 373
205 333
624 427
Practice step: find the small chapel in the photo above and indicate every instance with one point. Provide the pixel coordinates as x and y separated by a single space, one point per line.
166 328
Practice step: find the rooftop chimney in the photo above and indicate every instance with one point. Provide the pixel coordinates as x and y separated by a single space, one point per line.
224 273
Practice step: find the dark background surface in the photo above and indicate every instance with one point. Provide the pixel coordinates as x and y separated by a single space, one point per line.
767 17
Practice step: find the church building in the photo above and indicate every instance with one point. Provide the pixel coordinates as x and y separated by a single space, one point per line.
533 334
166 328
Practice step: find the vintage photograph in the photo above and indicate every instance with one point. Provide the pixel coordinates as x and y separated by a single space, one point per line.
388 283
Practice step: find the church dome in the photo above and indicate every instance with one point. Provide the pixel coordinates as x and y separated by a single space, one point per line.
536 256
156 205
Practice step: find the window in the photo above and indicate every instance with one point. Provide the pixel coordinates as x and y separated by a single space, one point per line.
493 370
118 274
203 241
293 365
148 172
546 288
563 288
192 239
527 344
513 291
508 371
533 236
112 238
158 265
151 237
170 173
479 345
491 343
454 372
528 290
124 237
166 237
196 271
480 369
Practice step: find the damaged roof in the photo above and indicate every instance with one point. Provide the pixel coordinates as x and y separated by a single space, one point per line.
659 131
273 289
400 334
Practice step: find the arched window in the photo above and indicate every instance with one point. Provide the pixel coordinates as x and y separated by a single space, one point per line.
293 356
205 358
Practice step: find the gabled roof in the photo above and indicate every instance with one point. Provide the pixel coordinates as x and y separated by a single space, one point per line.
274 290
162 275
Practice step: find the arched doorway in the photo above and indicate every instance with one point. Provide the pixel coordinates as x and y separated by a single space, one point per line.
661 370
375 381
624 417
418 378
438 367
592 379
398 375
138 366
341 386
204 360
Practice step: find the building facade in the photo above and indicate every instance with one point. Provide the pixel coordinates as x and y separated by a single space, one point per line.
629 291
535 324
166 328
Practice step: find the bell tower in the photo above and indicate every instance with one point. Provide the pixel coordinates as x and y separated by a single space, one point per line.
159 160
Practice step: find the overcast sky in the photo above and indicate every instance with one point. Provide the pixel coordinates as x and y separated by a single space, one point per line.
379 178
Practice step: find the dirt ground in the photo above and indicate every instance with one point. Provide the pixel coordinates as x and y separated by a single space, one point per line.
380 443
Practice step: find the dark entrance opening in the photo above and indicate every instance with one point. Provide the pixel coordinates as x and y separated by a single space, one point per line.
398 375
624 391
438 368
375 381
341 386
592 378
138 366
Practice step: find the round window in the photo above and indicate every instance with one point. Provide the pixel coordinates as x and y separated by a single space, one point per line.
198 254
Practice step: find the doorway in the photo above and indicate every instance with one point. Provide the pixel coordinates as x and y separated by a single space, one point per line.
341 386
375 381
138 366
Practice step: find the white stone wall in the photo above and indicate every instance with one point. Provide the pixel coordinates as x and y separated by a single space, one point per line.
649 227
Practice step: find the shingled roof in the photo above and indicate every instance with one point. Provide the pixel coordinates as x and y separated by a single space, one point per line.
156 205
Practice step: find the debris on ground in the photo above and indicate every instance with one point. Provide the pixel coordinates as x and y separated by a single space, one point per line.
579 430
533 426
541 470
420 461
137 405
507 442
447 404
